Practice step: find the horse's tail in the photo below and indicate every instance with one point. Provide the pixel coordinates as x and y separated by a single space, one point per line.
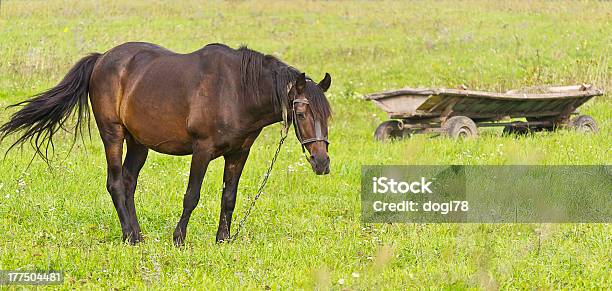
46 113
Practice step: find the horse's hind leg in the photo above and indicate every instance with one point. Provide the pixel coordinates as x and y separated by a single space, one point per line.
134 160
112 137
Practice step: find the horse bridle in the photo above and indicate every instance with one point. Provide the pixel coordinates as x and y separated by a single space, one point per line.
317 124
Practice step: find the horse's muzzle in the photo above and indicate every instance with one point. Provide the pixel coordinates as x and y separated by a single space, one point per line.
320 164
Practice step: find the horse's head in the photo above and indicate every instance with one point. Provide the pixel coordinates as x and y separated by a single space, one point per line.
310 115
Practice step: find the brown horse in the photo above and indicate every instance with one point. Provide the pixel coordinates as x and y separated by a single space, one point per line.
210 103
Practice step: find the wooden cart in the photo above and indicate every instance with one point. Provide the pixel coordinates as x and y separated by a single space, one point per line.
458 112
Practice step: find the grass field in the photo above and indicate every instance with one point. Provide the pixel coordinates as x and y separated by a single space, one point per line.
306 230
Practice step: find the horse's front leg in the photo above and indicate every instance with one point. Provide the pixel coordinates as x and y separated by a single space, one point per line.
199 163
234 163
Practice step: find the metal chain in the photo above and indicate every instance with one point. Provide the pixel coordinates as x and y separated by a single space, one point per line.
261 187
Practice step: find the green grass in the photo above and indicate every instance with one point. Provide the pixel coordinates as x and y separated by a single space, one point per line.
306 230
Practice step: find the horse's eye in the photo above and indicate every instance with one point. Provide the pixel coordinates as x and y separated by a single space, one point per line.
301 115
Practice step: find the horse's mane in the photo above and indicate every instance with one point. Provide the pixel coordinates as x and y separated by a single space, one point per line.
251 70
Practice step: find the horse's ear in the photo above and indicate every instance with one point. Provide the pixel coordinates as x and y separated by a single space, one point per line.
300 83
325 83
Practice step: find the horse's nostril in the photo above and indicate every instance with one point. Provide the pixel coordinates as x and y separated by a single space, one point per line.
320 160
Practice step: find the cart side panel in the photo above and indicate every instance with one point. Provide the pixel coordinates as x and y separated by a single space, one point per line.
479 107
403 105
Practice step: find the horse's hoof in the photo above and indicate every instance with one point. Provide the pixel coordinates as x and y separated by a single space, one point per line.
222 237
179 239
178 242
136 239
132 239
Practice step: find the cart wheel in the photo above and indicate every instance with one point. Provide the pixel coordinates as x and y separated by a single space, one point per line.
388 130
460 127
585 124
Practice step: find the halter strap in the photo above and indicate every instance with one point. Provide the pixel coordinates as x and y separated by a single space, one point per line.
317 124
